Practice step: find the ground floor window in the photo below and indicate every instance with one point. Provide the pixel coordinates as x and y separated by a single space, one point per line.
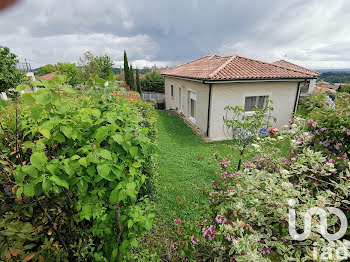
172 91
254 101
192 99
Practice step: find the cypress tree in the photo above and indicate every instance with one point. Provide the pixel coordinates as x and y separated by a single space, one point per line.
126 69
138 84
131 78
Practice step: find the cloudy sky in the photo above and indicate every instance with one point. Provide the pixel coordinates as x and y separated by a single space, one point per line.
312 33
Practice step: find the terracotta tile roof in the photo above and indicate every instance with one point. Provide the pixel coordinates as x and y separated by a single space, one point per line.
218 67
290 65
47 77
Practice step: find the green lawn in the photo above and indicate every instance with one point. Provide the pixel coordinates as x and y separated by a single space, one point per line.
183 168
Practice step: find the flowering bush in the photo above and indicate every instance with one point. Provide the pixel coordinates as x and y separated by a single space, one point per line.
330 131
249 208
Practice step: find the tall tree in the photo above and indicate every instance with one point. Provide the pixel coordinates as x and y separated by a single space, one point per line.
105 65
10 76
101 66
71 71
137 81
126 69
46 69
132 79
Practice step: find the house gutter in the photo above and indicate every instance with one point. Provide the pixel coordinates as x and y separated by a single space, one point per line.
209 105
297 98
207 81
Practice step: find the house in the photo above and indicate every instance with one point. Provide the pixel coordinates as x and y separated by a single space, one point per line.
47 76
200 89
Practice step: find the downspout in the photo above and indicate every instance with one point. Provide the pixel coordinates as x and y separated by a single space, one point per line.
296 99
209 104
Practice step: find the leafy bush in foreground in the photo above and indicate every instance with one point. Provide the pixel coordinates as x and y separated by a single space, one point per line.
75 171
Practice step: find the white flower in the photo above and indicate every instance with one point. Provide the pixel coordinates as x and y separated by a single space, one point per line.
293 126
280 137
284 172
285 126
256 146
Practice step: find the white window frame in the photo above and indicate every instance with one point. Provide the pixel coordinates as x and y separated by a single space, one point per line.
192 96
255 95
172 91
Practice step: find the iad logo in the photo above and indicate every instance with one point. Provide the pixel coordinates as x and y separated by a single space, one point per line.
322 228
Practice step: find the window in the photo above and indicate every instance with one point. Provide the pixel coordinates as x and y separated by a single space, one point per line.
192 97
172 91
254 101
304 87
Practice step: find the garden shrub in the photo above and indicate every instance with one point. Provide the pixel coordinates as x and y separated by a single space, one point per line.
76 169
313 101
152 82
249 208
331 131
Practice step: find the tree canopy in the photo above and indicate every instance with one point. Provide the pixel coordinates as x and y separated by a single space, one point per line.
46 69
101 66
10 76
70 71
153 82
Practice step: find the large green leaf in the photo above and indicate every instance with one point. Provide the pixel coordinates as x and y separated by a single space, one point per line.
36 112
38 159
67 131
101 133
59 181
114 196
22 87
31 170
37 83
82 161
106 154
28 190
104 170
68 89
28 98
46 185
45 133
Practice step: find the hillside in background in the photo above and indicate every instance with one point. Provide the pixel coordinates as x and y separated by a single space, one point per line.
335 77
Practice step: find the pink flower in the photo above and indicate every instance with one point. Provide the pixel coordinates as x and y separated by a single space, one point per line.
177 221
209 232
180 231
291 121
220 219
194 240
338 146
174 246
312 123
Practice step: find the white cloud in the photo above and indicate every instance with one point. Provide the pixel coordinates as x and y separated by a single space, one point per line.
172 32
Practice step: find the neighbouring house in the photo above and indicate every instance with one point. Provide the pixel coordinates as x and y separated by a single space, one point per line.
47 76
201 89
326 88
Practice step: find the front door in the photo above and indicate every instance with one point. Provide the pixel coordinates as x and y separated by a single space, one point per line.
180 99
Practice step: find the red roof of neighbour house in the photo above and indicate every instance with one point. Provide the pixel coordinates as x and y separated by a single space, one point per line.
290 65
218 67
47 77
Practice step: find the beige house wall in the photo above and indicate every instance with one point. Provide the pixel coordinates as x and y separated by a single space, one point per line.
202 92
282 93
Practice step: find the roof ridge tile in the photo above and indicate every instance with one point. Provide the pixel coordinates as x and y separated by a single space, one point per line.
213 74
